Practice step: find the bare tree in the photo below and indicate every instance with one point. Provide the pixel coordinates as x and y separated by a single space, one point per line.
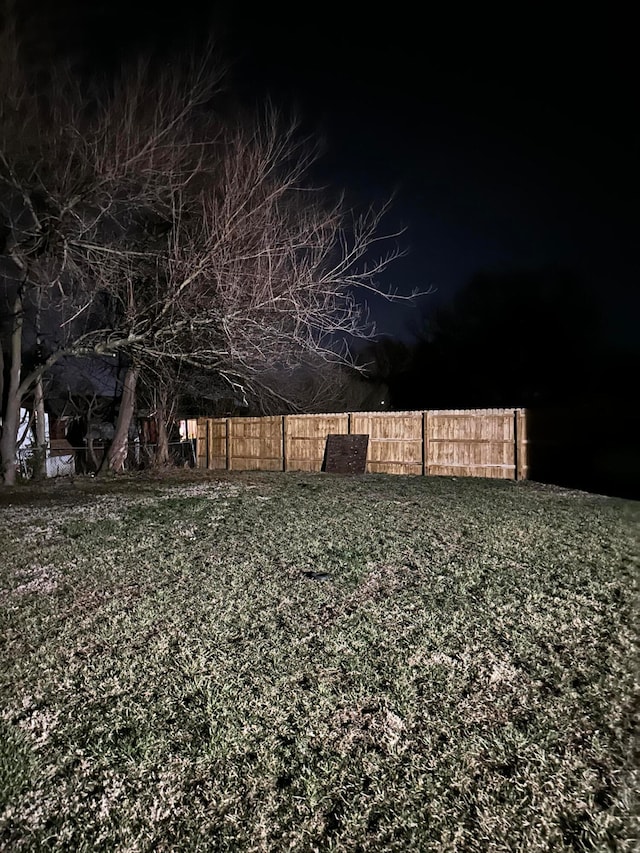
139 223
160 392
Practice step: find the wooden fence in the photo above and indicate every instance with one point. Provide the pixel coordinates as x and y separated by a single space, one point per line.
465 443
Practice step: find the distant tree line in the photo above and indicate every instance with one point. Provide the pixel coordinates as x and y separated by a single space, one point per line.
515 339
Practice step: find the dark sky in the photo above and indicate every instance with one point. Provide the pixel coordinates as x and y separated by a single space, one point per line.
509 141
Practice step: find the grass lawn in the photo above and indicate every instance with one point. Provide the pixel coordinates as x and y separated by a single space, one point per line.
272 662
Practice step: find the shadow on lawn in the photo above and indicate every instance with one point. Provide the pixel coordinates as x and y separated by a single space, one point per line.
593 448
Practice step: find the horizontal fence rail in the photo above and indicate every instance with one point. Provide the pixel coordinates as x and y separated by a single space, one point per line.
465 443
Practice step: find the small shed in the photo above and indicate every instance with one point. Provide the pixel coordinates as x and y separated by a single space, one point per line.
61 458
60 455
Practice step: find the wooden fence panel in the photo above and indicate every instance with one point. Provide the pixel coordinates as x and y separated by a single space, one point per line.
217 443
201 444
472 443
305 437
255 444
395 441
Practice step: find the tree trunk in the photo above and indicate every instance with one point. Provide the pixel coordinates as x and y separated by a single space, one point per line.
11 418
40 452
117 454
162 450
92 459
1 380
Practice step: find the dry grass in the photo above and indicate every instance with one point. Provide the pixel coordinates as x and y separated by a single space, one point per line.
303 662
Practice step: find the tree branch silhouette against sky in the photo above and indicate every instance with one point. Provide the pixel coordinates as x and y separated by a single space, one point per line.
509 142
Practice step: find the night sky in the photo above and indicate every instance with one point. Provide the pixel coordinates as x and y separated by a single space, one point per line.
509 143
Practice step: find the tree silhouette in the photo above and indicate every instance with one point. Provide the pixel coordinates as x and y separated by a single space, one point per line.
515 339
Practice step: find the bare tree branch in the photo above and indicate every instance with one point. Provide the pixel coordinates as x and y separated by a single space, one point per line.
143 224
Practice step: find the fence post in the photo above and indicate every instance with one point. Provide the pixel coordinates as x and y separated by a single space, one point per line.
209 443
202 440
425 443
284 442
521 446
227 437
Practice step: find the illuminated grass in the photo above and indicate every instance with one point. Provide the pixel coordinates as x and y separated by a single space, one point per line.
298 662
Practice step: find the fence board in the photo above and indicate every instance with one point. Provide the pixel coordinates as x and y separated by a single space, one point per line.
305 437
255 444
395 440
